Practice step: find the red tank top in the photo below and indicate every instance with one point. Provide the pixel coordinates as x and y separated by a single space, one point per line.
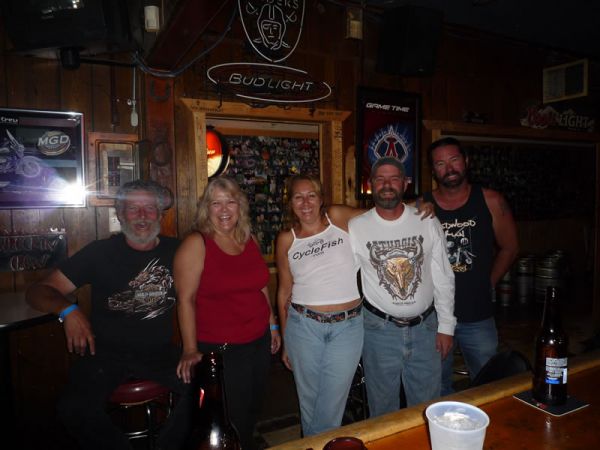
230 306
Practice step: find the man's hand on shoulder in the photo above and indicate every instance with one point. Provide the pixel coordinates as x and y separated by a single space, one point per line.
424 209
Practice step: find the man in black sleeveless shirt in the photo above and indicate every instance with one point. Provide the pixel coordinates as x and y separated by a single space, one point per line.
482 244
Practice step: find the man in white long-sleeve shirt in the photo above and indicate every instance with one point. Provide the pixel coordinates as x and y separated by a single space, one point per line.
408 288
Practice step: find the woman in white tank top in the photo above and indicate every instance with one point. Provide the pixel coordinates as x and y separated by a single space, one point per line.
319 304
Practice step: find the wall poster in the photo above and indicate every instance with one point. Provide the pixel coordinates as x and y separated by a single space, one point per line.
41 159
113 160
260 161
388 124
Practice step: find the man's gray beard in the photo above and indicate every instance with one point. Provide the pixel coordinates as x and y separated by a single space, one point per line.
130 234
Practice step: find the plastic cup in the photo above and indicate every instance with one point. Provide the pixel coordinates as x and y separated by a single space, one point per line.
456 426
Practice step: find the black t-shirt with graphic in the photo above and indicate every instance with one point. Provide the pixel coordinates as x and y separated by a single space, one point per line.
133 293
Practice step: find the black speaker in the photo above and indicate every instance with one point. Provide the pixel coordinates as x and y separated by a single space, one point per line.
91 26
408 40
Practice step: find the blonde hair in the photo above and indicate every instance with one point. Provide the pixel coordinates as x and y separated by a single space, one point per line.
290 218
203 224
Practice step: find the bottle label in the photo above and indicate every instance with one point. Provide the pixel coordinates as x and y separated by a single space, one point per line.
556 370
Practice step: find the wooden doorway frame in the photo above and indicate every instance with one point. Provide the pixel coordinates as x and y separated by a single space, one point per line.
330 139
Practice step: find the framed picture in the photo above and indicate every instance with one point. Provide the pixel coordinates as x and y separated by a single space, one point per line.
113 160
41 159
388 124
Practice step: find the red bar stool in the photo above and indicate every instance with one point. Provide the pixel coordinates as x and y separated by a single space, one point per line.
150 395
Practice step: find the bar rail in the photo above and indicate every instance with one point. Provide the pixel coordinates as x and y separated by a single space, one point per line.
379 427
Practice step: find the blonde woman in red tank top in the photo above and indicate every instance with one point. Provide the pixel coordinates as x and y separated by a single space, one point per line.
223 302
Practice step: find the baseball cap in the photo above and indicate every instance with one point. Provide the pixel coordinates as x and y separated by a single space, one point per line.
388 160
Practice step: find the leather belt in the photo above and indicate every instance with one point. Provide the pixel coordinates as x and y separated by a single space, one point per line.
324 317
399 321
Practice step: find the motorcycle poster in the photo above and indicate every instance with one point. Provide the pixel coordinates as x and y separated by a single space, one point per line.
41 159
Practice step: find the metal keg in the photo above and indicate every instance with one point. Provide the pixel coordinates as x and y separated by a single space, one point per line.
550 271
525 271
504 289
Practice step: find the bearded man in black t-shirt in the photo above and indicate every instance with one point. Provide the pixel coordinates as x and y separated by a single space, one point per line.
130 327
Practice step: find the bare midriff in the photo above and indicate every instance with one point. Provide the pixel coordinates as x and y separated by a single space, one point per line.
335 308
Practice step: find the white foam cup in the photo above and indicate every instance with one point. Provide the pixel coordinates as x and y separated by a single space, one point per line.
456 426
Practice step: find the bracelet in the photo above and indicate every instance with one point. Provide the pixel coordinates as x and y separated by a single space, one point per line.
65 312
274 326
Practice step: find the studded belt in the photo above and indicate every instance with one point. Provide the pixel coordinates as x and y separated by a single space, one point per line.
399 321
324 317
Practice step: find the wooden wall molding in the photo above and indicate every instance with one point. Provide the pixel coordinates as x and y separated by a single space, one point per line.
330 137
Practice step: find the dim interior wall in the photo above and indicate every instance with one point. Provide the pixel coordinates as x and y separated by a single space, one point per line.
575 236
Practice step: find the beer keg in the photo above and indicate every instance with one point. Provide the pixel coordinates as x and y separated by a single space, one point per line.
550 271
525 271
504 289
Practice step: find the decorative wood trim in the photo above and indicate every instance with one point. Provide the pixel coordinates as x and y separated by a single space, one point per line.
596 287
330 134
470 129
160 110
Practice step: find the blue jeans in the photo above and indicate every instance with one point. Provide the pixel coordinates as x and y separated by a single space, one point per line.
324 357
478 342
392 355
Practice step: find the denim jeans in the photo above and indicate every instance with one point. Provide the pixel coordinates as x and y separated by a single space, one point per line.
392 355
324 358
478 342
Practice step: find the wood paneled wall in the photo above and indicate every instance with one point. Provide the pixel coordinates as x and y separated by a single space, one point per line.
39 358
474 72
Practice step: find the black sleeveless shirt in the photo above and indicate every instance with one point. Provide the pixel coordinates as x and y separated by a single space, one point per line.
470 244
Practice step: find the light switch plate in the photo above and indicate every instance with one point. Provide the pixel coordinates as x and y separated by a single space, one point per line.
114 226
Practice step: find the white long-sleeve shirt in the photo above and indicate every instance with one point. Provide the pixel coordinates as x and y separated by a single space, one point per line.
404 265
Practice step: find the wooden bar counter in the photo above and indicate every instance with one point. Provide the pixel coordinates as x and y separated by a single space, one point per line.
513 424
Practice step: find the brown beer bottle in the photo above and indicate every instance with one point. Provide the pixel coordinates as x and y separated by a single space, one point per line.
213 430
551 349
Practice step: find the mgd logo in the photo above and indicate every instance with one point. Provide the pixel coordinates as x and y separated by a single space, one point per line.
53 143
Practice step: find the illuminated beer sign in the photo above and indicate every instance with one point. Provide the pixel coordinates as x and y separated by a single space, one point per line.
273 29
216 153
268 82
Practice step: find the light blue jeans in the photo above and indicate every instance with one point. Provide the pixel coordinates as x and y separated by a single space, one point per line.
478 342
324 358
392 355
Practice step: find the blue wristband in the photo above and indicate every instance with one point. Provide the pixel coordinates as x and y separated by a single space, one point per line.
65 312
274 326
